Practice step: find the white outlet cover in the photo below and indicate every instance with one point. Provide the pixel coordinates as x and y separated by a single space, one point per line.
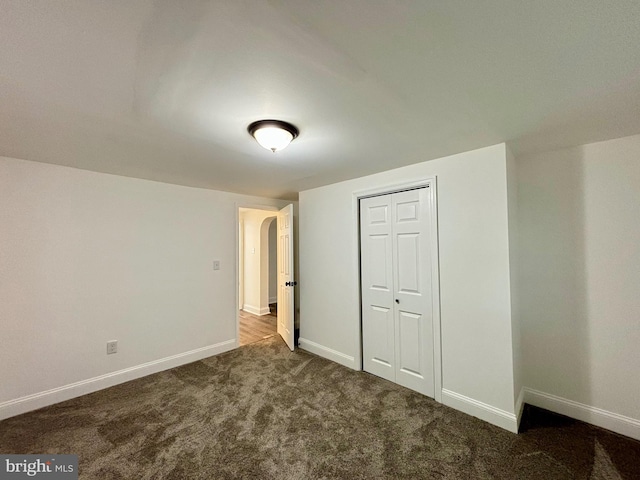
216 264
112 347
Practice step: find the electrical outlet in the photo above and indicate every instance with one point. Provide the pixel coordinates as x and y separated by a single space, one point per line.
112 347
216 264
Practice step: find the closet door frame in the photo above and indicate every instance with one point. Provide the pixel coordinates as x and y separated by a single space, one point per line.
431 185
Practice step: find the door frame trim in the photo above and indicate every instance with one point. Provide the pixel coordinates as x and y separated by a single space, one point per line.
431 184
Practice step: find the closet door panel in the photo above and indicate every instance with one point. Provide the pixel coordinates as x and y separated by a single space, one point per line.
412 278
378 331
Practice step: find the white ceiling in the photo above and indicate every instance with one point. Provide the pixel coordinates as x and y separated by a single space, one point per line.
165 89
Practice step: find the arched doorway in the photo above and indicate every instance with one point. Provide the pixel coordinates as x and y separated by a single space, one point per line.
257 275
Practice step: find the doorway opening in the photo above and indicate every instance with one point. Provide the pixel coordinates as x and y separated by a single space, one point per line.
257 269
265 273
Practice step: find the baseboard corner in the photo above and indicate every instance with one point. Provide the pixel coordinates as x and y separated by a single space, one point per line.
627 426
519 407
483 411
328 353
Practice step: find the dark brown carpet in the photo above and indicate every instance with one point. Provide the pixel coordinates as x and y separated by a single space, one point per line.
266 413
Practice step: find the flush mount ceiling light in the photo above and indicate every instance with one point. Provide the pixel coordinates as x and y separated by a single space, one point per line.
273 135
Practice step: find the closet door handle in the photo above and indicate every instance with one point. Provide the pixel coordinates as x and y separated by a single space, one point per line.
397 301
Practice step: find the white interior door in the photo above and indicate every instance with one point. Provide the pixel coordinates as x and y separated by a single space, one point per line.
378 332
412 281
286 281
397 321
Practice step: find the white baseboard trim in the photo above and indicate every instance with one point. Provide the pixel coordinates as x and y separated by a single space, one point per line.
28 403
251 309
627 426
256 310
480 410
519 407
326 352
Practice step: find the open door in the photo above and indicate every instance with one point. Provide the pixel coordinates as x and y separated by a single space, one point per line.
286 281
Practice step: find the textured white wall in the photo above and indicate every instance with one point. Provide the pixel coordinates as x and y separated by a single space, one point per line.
474 269
579 212
88 257
516 330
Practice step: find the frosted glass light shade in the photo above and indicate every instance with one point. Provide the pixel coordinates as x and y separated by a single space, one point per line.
273 138
273 135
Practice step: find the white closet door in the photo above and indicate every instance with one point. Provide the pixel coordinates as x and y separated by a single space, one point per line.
377 287
412 281
397 322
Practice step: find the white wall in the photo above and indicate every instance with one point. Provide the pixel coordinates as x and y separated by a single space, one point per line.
265 262
516 331
273 262
88 257
579 212
474 269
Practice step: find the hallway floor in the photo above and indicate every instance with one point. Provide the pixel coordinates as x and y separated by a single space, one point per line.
254 328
